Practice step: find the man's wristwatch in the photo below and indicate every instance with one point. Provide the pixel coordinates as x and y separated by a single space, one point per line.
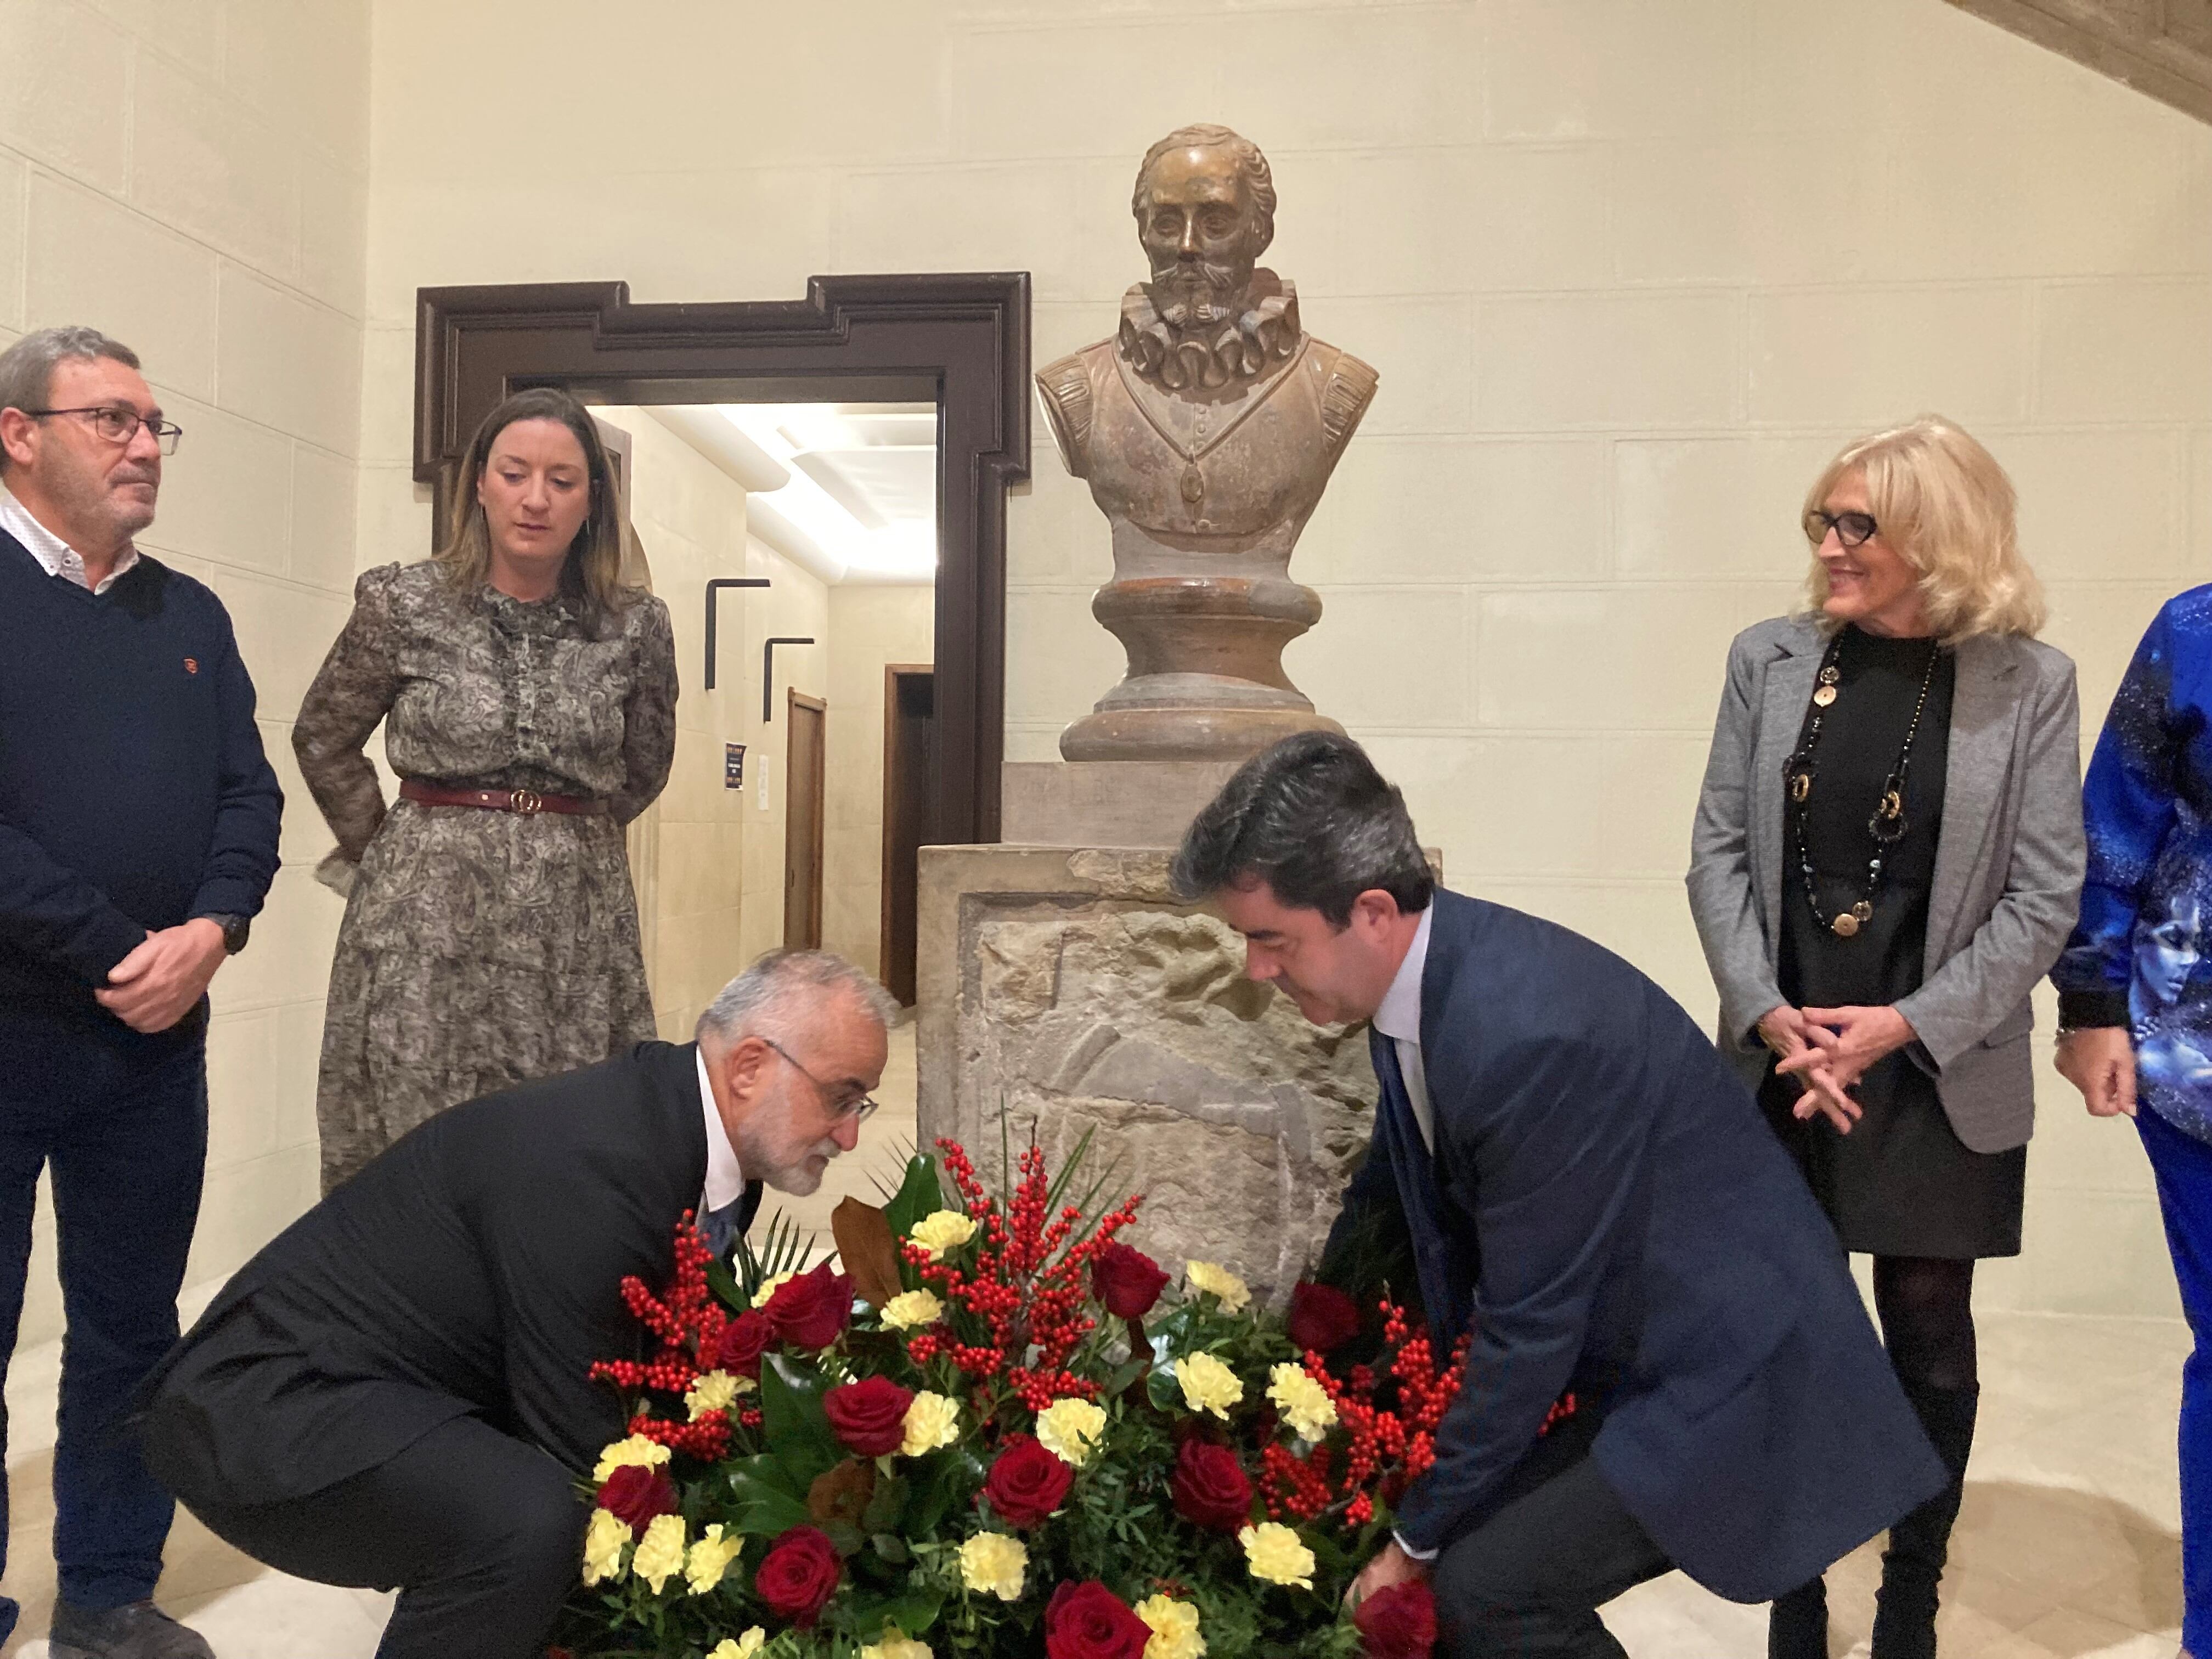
234 930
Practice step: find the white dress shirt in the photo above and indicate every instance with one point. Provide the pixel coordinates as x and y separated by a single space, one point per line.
725 1180
1398 1018
59 558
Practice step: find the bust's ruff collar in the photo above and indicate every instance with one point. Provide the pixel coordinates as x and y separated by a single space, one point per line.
1265 335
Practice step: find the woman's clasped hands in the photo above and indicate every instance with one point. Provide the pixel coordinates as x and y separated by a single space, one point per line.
1829 1050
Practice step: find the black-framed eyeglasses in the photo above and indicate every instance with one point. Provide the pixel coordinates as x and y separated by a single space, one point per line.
859 1109
1851 529
120 426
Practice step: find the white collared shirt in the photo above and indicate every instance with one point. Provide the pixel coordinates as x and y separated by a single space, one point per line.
1398 1018
59 558
725 1180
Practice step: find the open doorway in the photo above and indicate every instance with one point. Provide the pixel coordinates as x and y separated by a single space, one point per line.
943 355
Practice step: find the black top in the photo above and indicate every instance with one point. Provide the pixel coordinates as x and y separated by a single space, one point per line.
474 1268
1878 682
134 793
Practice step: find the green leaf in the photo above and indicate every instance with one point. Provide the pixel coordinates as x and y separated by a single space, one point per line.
918 1195
845 1536
952 1478
793 1418
1162 1388
885 1507
724 1284
893 1548
764 1471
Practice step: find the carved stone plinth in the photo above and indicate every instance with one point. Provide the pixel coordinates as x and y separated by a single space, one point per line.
1066 987
1105 803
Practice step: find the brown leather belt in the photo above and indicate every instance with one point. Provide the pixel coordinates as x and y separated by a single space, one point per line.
501 800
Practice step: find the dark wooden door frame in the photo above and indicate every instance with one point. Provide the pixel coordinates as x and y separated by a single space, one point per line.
818 786
893 674
959 340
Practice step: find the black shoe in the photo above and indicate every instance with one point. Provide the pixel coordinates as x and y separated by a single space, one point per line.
1919 1545
138 1630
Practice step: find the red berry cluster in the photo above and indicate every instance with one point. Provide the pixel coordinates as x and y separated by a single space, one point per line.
690 1321
1027 1292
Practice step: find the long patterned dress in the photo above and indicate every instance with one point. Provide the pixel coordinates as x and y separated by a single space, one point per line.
479 949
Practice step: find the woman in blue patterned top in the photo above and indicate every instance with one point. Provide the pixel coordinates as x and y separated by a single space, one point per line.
2134 995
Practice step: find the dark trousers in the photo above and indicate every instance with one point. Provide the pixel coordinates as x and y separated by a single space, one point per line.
1529 1580
121 1125
481 1534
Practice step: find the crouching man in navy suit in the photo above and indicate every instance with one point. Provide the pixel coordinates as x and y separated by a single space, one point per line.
1588 1191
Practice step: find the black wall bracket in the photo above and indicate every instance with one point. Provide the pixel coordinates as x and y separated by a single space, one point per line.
713 588
767 672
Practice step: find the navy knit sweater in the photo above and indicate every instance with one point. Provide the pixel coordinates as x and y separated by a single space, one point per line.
134 793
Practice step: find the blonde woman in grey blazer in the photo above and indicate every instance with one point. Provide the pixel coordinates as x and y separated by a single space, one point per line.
1887 856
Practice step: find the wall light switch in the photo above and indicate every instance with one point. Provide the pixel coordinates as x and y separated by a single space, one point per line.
760 780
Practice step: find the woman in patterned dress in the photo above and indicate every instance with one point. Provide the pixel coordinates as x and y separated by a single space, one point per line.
529 702
2135 997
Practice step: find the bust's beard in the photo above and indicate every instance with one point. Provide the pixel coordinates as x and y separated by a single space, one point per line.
1201 333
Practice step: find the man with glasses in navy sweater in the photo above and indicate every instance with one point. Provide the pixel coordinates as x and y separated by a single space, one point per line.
139 823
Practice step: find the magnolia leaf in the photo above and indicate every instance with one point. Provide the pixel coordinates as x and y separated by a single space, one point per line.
869 1251
844 1493
758 1498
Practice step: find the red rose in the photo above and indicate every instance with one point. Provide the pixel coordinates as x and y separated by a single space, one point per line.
808 1311
1399 1622
744 1340
1128 1281
1026 1483
634 1496
1089 1622
1323 1318
869 1416
1210 1486
799 1575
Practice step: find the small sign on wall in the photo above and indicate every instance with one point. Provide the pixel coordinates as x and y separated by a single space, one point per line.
733 766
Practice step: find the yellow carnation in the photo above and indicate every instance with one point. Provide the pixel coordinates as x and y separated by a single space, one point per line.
1207 1384
1174 1628
637 1449
714 1391
1304 1404
710 1557
931 1421
769 1287
603 1546
739 1647
942 1231
896 1644
1233 1292
904 1312
1276 1553
992 1564
1069 1430
660 1552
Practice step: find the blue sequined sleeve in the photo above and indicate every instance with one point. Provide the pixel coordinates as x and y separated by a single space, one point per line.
2130 804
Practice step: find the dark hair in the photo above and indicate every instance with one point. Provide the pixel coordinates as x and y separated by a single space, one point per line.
1315 820
592 573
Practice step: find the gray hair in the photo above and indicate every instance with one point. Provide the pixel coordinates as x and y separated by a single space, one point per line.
27 367
760 1001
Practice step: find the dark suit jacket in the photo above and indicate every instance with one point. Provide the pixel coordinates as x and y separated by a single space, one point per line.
1622 1222
473 1268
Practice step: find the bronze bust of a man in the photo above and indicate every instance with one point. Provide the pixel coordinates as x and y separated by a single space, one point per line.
1207 429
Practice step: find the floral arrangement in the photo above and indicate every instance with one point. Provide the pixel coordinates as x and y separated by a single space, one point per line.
1000 1430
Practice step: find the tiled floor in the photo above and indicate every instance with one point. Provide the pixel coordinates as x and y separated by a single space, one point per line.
2067 1545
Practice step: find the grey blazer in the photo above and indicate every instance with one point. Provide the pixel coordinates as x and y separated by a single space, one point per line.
2008 862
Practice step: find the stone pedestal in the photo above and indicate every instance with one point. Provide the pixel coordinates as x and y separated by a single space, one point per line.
1105 803
1064 985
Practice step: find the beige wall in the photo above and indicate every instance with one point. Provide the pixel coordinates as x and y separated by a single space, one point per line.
191 177
869 627
1629 272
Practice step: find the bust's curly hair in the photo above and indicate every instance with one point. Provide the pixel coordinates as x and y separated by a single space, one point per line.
1205 134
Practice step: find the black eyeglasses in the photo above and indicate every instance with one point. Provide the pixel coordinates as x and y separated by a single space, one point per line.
1851 529
859 1109
120 426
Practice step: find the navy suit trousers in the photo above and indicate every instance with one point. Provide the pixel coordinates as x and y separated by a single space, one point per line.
121 1124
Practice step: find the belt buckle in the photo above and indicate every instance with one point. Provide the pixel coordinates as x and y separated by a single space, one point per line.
524 801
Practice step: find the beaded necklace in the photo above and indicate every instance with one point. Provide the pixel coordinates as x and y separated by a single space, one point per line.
1887 824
